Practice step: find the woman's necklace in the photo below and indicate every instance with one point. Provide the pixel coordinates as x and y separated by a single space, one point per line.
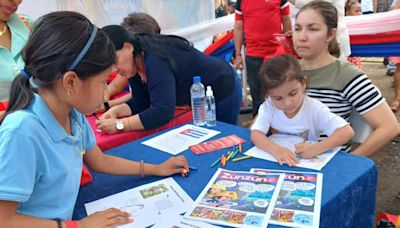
4 30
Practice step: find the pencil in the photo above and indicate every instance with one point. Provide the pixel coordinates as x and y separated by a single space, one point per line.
215 162
230 155
241 158
234 154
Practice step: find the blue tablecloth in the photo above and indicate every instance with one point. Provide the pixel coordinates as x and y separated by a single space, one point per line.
349 182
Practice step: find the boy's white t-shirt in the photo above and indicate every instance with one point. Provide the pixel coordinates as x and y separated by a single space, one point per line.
312 119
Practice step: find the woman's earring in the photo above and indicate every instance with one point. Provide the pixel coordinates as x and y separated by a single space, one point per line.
69 92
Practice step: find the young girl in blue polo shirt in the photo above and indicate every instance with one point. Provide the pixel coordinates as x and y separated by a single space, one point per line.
44 137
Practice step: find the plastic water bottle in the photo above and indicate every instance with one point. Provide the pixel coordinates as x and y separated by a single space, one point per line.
198 98
210 110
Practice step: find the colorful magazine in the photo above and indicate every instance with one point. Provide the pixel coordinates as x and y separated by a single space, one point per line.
299 200
237 199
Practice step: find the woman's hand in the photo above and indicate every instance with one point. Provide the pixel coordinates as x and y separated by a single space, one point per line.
173 165
284 155
107 126
110 114
108 218
307 150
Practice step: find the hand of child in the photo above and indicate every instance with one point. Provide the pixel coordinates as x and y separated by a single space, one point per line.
107 126
284 155
108 218
173 165
306 150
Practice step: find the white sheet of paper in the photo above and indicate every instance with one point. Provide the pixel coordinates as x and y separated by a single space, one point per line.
175 221
179 139
316 163
146 203
299 201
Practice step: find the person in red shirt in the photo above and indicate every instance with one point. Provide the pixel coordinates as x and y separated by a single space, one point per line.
256 22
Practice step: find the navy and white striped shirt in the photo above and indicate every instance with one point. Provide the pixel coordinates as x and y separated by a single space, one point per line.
343 87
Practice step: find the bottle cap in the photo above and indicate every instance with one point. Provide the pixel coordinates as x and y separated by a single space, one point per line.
196 79
209 91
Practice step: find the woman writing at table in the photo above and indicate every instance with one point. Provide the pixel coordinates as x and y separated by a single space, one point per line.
44 136
160 71
340 85
14 32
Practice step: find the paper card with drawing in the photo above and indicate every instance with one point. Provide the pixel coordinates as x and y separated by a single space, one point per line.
146 203
179 139
316 163
299 201
237 199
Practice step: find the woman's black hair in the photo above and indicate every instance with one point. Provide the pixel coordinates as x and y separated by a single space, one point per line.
146 42
61 41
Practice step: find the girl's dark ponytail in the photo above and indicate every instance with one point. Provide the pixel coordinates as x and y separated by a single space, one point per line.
21 95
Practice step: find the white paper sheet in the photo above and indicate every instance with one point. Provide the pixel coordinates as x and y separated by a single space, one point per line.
299 201
237 199
179 139
316 163
180 222
146 203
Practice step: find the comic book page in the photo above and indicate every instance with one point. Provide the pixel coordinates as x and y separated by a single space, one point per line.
299 200
146 203
237 199
288 141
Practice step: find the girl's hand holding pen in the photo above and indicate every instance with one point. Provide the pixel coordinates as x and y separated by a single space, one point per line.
307 149
172 166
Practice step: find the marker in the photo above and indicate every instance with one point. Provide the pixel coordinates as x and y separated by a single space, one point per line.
240 148
242 158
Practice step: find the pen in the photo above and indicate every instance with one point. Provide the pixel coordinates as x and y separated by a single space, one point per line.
94 114
241 158
192 168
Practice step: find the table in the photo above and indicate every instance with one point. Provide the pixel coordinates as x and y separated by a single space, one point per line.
349 182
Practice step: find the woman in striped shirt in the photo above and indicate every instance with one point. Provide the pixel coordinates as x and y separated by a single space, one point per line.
340 85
